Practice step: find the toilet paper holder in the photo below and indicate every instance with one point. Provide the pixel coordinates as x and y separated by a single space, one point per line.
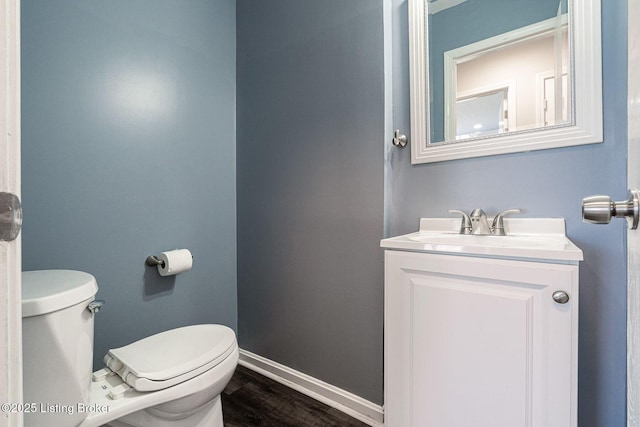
170 263
153 261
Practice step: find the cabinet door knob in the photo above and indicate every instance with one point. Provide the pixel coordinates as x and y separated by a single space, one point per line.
561 297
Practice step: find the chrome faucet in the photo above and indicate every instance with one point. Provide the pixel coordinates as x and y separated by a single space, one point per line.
477 223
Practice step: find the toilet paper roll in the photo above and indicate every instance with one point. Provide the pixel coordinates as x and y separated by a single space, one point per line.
175 262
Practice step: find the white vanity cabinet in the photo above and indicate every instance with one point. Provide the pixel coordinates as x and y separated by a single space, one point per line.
478 340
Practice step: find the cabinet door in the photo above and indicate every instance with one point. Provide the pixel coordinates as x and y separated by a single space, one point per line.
479 342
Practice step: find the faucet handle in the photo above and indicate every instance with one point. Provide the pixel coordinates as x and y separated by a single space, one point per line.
497 227
465 226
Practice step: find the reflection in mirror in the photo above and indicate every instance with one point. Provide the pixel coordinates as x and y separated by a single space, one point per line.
493 74
482 114
513 55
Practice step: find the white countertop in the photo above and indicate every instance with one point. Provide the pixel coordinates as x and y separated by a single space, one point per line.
528 238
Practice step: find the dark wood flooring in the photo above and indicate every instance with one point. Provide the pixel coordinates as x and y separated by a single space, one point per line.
251 399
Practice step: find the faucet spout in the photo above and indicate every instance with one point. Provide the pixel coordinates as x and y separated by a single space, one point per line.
479 223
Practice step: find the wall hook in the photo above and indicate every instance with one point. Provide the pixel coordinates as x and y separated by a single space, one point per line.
399 140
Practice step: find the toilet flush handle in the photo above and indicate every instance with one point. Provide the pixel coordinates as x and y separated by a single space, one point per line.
95 306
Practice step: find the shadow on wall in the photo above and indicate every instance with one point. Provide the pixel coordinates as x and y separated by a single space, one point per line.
156 285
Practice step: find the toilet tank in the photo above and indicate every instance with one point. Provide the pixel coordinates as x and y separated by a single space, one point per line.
57 337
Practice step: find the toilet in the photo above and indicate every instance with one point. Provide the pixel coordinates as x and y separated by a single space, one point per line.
170 379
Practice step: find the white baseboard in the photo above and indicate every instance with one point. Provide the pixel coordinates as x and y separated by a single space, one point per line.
352 405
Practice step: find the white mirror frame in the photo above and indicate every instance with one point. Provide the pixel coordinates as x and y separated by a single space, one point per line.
586 68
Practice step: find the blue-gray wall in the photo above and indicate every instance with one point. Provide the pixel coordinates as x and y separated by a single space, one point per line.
128 146
548 183
310 187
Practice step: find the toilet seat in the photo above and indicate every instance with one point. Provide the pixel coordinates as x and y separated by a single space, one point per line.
171 357
207 385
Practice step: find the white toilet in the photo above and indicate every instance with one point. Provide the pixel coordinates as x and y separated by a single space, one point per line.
173 378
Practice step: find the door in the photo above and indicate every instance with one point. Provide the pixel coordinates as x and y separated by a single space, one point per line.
550 101
633 236
10 250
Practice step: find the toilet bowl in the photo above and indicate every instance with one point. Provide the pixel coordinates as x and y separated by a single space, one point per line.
173 378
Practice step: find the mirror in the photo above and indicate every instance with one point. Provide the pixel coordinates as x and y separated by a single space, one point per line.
502 76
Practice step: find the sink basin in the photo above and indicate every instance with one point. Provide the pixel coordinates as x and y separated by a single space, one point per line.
489 241
527 238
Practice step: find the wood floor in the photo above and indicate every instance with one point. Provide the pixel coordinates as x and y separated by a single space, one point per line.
251 399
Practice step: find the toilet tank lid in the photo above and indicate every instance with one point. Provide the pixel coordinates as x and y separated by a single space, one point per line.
45 291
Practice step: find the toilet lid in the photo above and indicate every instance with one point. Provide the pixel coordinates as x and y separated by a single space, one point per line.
171 357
